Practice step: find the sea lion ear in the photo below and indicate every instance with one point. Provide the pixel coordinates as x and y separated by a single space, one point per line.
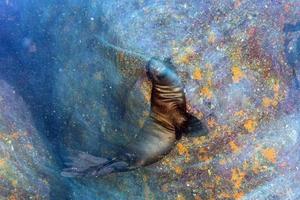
194 127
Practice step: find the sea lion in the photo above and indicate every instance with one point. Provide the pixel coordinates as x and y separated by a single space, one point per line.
167 122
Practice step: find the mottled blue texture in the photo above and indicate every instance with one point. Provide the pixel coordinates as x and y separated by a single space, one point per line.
56 84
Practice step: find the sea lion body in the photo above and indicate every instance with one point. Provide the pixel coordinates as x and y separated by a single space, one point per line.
167 115
166 123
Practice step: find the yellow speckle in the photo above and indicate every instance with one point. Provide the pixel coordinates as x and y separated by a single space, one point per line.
182 150
222 162
188 55
237 74
209 172
165 188
270 154
234 147
224 195
14 183
237 177
180 197
121 57
276 87
236 54
146 90
266 102
197 75
240 113
250 125
211 37
274 103
245 165
256 166
206 92
185 59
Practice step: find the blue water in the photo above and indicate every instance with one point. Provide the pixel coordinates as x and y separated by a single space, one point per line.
46 60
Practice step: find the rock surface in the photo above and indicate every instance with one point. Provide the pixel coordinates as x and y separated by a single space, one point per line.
239 63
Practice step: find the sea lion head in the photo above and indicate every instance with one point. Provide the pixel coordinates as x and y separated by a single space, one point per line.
162 72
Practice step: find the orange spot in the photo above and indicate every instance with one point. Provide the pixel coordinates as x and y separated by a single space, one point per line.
15 135
237 74
238 195
276 87
267 102
211 122
182 150
218 179
3 137
178 170
206 92
237 177
250 125
13 197
2 162
197 75
203 155
270 154
234 147
197 197
225 195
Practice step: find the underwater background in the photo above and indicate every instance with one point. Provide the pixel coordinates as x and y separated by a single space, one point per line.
239 61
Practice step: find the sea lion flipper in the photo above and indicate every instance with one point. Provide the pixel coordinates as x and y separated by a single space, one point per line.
194 127
85 165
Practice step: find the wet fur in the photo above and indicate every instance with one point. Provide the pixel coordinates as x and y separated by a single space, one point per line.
167 121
